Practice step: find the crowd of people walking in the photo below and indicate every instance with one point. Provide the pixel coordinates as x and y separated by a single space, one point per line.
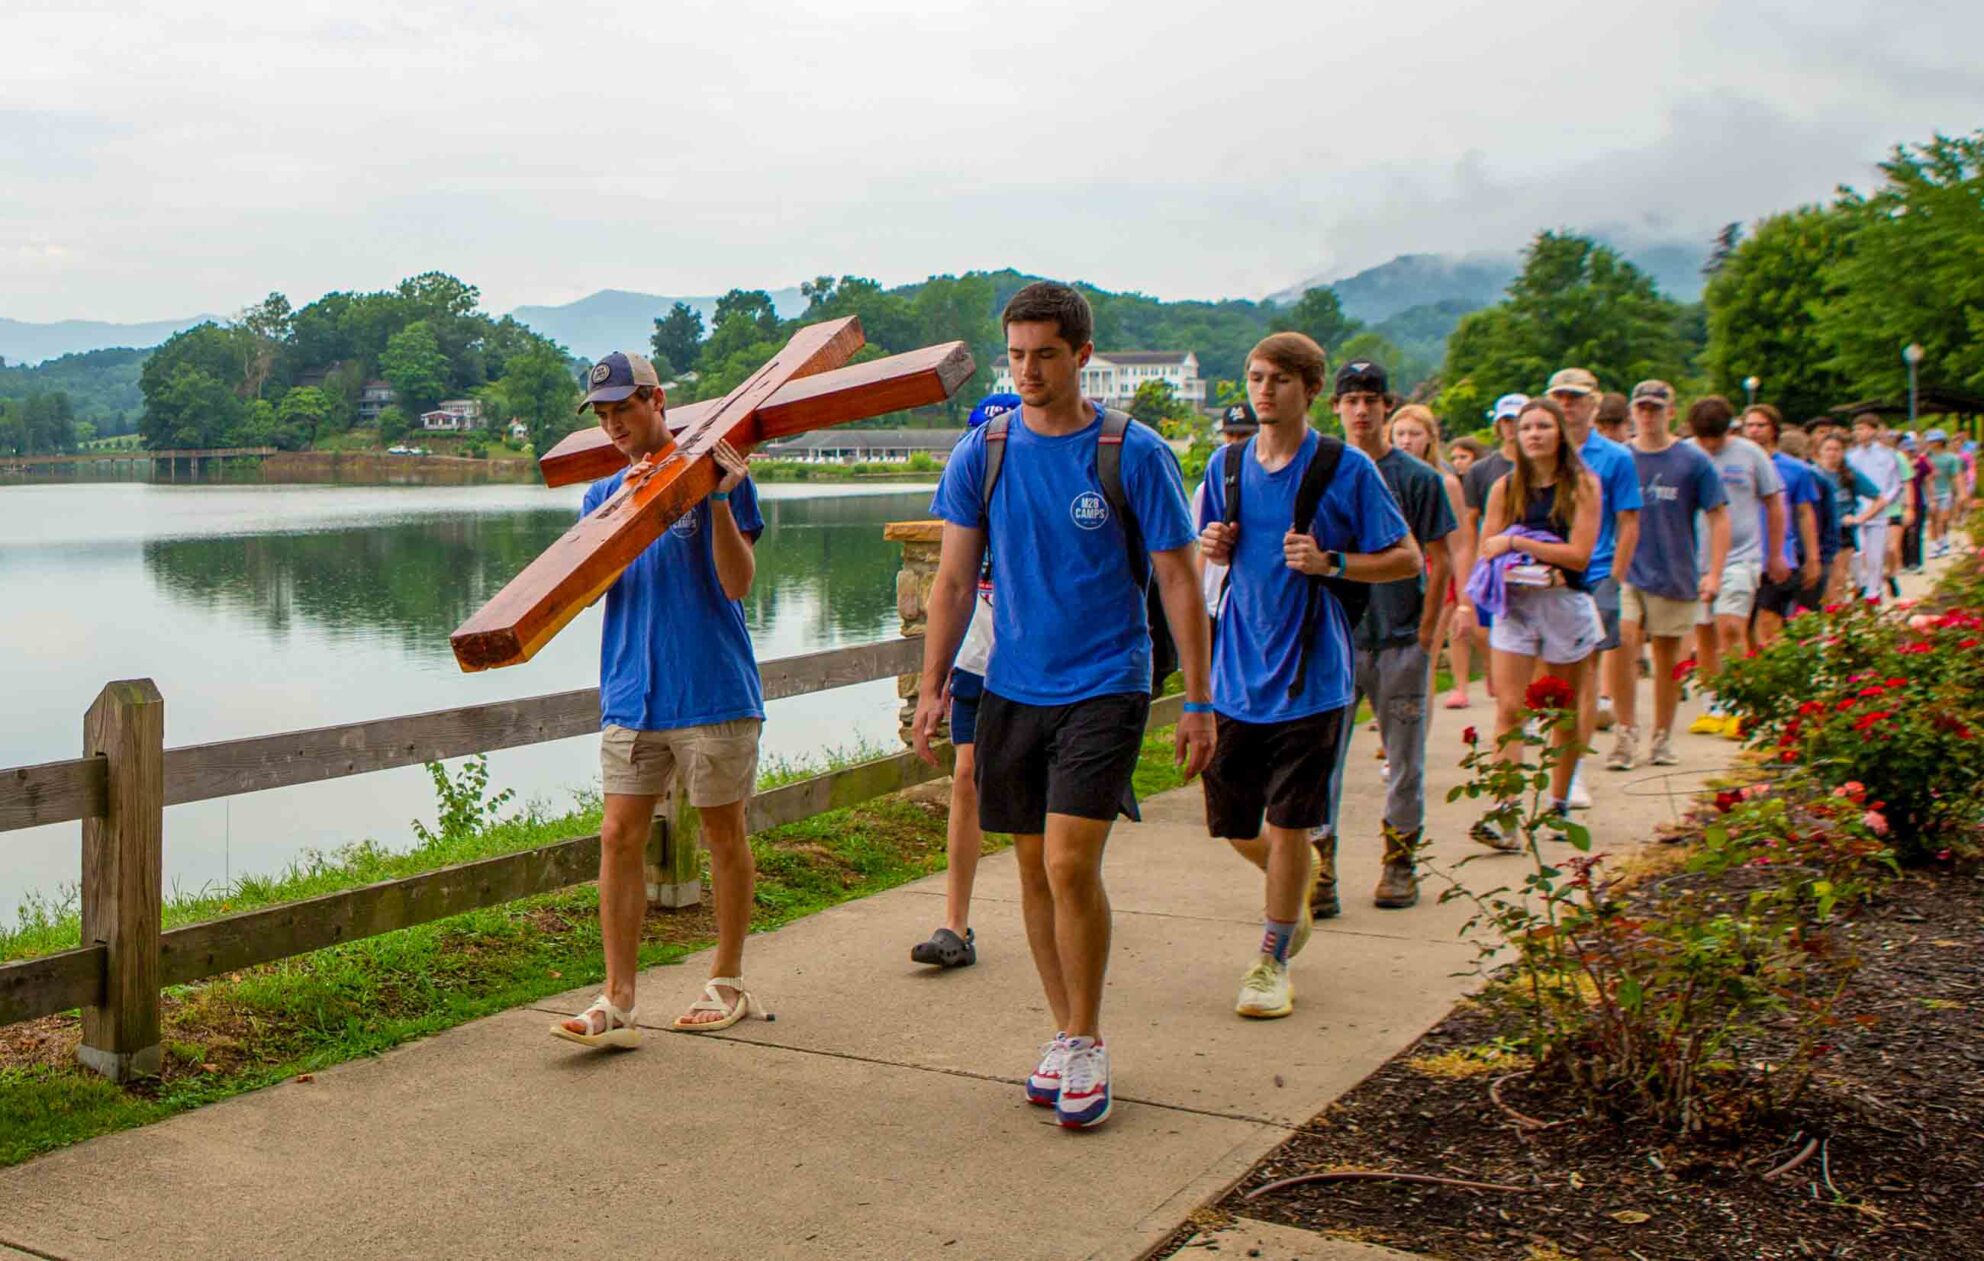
1307 575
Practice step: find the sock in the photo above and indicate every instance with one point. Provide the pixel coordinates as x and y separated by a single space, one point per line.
1078 1044
1275 937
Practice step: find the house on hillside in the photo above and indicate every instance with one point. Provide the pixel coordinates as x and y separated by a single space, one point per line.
374 397
1112 376
862 446
454 415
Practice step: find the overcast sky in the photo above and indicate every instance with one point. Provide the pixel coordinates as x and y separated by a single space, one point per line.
162 159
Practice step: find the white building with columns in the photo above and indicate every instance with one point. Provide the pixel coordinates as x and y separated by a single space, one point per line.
1112 376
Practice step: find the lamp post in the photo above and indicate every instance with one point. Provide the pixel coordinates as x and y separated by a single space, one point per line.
1750 385
1911 354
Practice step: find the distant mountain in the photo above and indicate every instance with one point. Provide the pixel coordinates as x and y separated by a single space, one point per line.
22 342
614 319
1378 293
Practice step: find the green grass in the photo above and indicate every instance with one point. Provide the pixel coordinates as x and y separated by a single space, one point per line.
255 1027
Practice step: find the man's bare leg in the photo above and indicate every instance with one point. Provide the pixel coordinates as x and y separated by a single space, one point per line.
1037 907
1073 852
733 881
1622 671
1666 688
623 894
962 842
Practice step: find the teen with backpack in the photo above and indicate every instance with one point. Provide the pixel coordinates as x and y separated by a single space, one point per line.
1079 508
1306 523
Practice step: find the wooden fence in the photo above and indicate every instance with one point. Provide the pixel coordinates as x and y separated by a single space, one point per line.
126 777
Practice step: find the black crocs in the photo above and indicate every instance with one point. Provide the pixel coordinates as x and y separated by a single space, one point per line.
946 949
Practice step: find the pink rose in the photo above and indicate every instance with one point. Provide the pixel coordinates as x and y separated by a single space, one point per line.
1876 822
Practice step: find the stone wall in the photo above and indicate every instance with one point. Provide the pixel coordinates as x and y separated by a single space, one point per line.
921 542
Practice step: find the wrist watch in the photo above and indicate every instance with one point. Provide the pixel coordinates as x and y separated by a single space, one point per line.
1332 564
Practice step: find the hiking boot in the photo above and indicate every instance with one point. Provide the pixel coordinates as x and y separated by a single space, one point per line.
1398 887
1323 901
1663 750
1623 747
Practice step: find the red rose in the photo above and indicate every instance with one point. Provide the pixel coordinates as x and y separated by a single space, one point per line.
1810 707
1968 643
1726 800
1470 736
1549 692
1897 682
1682 669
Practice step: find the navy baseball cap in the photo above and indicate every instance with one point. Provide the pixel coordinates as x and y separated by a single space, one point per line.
1239 418
617 376
1362 376
990 406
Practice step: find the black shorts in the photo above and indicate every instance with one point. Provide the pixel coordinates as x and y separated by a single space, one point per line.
966 690
1778 597
1280 770
1077 759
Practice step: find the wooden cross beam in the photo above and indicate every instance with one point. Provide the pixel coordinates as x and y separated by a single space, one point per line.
915 378
772 402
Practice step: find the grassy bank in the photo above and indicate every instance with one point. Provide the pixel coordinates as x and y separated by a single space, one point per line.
260 1025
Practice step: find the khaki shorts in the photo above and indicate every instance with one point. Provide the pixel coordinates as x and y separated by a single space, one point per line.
1740 580
1659 616
717 763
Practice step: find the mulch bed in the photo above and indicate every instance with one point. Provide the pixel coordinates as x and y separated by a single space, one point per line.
1898 1111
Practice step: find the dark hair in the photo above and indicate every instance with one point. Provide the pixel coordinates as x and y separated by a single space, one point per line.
1297 353
1868 418
1770 414
1612 410
1570 467
1047 301
1470 444
1709 417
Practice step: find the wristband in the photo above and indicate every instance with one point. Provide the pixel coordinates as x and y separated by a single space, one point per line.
719 496
1198 707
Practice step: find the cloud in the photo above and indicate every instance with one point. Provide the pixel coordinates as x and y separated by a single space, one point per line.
195 157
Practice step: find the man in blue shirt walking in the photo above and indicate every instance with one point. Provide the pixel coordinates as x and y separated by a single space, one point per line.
1067 691
1576 391
1805 584
680 703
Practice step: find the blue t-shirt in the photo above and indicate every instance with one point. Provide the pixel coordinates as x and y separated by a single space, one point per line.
1799 488
1675 484
1619 491
1069 623
1255 653
675 651
1826 510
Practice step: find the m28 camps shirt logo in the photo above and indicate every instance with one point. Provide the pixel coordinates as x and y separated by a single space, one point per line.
1089 510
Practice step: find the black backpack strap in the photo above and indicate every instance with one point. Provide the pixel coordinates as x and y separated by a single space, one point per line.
1316 481
1229 508
1109 471
995 457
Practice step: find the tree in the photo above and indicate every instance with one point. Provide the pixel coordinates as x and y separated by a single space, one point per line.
393 425
678 337
1575 303
1157 405
1912 271
305 410
537 387
259 333
1763 309
416 368
1724 245
1319 313
191 408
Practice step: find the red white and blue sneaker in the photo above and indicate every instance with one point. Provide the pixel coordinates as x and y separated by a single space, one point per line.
1084 1101
1043 1088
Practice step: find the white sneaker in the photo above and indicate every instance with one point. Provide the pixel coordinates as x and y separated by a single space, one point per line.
1605 717
1084 1101
1663 750
1043 1088
1265 992
1624 746
1580 798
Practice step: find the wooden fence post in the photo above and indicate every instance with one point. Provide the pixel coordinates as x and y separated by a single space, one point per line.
123 879
674 874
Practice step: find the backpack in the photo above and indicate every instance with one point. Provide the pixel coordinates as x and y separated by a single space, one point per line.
1354 597
1108 471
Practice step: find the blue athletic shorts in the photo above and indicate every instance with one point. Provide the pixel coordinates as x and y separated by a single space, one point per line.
966 688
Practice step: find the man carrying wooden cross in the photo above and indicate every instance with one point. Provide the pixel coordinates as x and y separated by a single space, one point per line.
679 699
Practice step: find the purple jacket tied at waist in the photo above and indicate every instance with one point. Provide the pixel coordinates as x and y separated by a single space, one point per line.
1487 586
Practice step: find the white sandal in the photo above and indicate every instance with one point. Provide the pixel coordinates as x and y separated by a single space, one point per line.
617 1028
745 1005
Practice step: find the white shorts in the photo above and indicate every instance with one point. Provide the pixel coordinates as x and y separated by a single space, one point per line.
1555 623
1738 596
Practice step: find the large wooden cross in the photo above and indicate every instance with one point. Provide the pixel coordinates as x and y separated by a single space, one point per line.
803 387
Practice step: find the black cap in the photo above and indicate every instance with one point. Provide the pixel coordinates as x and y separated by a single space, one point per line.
1238 418
1362 376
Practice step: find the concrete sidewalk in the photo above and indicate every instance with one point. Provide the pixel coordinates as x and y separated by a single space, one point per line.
879 1116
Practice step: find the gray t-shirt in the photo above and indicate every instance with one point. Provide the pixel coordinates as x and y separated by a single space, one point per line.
1675 484
1748 477
1393 615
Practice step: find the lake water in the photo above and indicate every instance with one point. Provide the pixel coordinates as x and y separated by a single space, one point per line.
260 608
